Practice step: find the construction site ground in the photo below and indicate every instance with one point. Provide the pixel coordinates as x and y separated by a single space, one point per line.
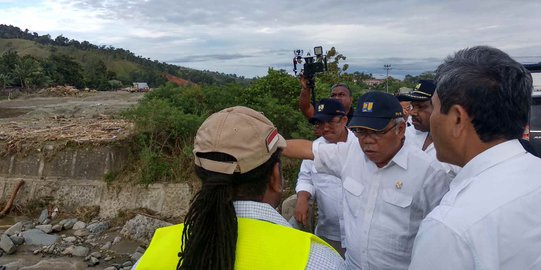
78 117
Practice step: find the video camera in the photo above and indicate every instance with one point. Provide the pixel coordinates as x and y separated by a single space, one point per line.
312 65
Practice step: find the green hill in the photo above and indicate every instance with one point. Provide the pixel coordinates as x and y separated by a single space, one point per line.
97 65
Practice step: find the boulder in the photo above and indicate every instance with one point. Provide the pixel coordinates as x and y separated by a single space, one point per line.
7 245
43 216
79 225
45 228
98 227
38 237
15 229
141 228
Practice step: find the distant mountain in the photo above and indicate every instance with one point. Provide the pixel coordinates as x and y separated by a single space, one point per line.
119 64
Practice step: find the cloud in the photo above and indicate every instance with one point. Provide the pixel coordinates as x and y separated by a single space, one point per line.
208 57
248 36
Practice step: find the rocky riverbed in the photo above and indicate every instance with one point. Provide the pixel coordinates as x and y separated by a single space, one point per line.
69 243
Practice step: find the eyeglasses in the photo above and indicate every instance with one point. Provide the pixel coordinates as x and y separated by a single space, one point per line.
363 132
319 124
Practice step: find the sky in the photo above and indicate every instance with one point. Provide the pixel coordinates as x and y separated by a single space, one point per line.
246 37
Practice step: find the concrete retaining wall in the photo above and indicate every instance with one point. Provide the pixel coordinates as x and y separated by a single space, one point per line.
73 177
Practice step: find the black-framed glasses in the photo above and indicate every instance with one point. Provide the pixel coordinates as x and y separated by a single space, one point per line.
363 132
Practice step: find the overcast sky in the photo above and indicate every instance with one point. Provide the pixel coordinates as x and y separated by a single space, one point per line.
246 37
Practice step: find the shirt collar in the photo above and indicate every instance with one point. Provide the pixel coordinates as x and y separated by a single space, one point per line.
400 159
485 160
259 211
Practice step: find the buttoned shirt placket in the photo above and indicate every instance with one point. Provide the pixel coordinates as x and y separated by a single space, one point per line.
373 194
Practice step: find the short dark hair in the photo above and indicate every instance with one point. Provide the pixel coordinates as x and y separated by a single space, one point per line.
342 85
494 89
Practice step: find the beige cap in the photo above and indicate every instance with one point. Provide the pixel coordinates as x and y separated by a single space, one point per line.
241 132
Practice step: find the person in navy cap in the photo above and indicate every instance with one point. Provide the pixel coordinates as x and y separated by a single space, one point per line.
330 121
420 111
388 186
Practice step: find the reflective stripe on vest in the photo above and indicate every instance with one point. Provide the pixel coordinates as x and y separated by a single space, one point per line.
260 245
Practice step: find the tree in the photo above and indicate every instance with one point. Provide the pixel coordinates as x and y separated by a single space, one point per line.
63 70
29 72
5 80
335 73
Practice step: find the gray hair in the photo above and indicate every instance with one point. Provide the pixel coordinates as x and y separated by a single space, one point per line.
494 89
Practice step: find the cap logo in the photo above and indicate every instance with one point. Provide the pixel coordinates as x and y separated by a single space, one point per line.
418 86
320 107
272 139
367 106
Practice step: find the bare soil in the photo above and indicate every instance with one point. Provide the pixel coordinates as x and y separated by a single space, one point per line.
84 117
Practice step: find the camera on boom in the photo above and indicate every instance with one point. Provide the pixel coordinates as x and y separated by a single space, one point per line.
312 65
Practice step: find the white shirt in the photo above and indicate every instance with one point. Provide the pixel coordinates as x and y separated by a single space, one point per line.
383 207
417 139
490 218
327 190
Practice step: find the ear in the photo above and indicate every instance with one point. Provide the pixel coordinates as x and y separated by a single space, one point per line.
402 128
276 183
459 119
343 120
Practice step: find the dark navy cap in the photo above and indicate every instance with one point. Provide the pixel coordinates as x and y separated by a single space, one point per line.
326 110
422 92
374 111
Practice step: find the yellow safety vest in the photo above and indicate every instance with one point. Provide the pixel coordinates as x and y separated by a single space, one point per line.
260 245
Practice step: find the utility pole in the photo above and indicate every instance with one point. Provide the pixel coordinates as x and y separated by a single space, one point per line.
387 67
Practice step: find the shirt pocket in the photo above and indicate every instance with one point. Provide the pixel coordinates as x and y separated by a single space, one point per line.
396 213
352 193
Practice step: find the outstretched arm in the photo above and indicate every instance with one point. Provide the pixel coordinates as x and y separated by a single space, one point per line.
307 109
299 149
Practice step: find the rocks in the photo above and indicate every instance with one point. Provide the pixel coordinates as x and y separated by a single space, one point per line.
7 245
116 240
93 261
79 251
38 237
79 225
68 223
43 216
45 228
141 228
81 232
96 254
106 246
57 228
15 229
98 227
70 239
17 239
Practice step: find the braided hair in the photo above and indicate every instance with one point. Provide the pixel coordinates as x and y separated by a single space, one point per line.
209 237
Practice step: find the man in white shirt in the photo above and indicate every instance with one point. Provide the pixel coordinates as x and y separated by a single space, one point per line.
490 218
421 108
330 120
389 187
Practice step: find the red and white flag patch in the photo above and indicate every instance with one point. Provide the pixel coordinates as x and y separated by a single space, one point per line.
272 139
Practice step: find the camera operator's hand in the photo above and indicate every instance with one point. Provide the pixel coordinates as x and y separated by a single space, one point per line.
304 83
304 99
